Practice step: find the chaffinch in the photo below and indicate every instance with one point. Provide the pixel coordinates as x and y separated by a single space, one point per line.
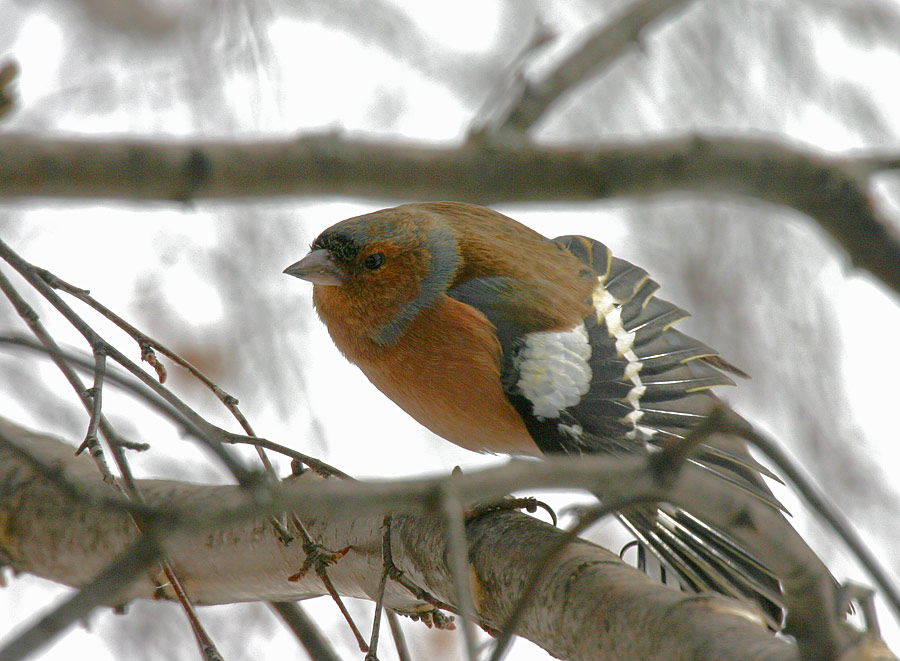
501 340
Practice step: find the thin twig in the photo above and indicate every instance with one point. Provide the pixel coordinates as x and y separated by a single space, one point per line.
318 559
101 349
458 552
316 645
91 441
49 344
209 432
382 582
120 573
134 387
204 641
317 465
586 520
814 498
399 639
148 345
95 397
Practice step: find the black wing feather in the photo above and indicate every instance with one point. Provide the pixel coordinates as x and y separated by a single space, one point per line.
676 373
649 385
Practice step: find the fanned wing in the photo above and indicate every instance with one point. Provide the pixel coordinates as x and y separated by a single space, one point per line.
622 382
650 383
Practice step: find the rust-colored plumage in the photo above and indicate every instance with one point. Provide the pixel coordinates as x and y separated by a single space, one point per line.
501 340
440 383
448 362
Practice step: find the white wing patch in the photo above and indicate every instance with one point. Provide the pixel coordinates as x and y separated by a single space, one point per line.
554 372
609 310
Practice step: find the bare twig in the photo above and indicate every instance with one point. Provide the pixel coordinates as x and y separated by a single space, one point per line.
208 433
135 560
306 631
318 558
290 612
317 465
148 347
820 505
204 641
49 344
458 549
96 394
74 360
600 49
382 582
399 639
43 280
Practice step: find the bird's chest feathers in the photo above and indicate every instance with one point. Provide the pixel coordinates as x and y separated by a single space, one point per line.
445 372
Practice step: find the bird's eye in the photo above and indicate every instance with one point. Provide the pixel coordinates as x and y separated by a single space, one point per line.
373 261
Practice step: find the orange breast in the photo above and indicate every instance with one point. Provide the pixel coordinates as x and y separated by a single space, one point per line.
445 373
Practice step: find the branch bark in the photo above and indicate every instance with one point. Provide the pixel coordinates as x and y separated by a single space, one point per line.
588 604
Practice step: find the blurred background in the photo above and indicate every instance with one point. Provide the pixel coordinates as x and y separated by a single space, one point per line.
766 287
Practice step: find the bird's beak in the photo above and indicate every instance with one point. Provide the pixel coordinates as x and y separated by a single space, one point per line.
318 268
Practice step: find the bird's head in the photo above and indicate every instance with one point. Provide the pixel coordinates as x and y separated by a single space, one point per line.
375 272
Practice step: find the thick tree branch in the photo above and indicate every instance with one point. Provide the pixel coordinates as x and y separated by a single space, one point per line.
587 605
237 559
827 189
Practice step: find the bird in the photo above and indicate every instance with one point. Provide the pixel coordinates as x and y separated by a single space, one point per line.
503 341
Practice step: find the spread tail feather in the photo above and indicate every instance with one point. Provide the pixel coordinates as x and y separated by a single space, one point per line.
705 559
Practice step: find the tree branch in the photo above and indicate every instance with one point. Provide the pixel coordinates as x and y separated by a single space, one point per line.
600 49
586 606
9 70
825 188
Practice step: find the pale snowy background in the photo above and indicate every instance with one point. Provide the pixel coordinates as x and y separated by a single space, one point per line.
766 287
